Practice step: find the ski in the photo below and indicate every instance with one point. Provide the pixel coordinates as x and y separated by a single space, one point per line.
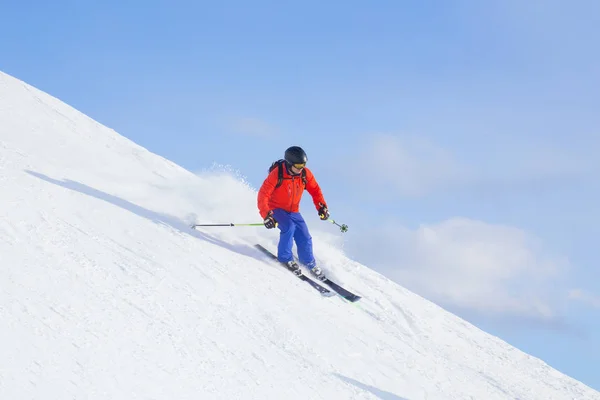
323 290
345 293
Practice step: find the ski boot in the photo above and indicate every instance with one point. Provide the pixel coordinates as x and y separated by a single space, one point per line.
294 267
318 273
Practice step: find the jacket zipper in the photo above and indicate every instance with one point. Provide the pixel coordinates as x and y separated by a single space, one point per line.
293 193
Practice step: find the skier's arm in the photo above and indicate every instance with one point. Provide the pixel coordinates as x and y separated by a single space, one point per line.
265 192
313 188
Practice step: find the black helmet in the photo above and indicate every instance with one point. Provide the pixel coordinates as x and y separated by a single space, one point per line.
295 155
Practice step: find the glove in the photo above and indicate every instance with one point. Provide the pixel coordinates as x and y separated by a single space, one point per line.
269 221
323 212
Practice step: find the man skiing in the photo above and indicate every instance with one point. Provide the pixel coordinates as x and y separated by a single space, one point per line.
279 206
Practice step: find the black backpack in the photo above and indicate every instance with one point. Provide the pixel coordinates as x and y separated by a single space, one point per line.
279 164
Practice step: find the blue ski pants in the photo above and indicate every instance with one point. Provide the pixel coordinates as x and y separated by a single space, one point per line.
293 228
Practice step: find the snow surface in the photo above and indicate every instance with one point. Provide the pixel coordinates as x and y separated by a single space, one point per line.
107 294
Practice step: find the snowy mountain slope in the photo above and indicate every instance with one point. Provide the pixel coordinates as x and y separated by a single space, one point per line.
106 294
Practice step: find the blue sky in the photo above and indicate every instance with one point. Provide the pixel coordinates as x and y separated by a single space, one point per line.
457 139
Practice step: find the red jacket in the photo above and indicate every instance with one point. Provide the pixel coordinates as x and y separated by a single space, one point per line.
288 195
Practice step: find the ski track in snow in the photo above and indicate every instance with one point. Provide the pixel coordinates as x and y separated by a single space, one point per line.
106 292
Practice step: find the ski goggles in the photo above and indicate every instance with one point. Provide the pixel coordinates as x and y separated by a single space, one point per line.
299 166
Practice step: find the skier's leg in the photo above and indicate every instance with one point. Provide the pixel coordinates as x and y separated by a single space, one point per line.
305 248
286 235
303 241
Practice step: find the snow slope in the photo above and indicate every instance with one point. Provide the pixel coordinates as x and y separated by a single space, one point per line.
106 294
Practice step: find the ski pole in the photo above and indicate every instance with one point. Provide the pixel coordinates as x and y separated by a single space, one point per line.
343 227
230 224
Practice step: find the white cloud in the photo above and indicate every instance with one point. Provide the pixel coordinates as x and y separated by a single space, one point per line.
472 265
253 127
411 166
585 297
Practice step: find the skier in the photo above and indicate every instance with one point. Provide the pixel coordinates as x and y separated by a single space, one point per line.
279 206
